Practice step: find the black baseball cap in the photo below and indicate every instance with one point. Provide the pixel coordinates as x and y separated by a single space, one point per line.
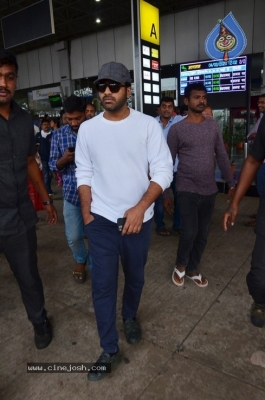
115 72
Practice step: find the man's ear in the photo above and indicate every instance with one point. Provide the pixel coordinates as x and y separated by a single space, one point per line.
129 90
186 101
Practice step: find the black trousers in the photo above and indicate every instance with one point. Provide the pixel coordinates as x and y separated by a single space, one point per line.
256 275
195 213
21 253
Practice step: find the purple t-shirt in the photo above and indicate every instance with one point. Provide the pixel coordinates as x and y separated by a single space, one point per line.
197 147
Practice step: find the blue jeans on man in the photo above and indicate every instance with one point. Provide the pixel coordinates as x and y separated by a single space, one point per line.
74 231
47 175
159 210
176 214
159 213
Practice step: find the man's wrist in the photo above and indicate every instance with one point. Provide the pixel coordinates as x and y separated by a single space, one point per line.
142 206
48 202
88 219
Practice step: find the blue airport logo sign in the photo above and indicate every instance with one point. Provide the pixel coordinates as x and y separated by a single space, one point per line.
227 40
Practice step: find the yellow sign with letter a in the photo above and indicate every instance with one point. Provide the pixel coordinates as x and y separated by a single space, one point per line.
149 17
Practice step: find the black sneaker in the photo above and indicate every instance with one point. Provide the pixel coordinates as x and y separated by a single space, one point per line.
43 334
104 358
257 314
132 331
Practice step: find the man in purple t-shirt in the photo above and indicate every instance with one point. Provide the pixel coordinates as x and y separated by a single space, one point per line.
198 143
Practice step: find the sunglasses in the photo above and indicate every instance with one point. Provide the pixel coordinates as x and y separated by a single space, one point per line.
114 87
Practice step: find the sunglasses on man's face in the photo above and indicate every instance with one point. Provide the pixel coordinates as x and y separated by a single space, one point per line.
114 87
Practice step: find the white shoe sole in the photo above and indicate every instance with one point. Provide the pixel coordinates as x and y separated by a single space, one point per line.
198 277
173 280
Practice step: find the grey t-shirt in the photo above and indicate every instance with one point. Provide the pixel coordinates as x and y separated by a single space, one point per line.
197 147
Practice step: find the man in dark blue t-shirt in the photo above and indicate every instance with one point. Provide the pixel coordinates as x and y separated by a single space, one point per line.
256 275
43 138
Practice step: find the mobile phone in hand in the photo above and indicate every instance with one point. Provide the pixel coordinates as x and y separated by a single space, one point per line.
72 149
120 223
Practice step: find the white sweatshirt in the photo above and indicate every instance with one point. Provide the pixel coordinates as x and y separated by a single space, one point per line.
115 158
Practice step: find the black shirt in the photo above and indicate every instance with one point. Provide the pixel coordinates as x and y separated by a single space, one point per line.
258 151
45 146
16 145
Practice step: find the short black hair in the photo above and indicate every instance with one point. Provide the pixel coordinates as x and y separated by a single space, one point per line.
167 99
183 108
8 58
74 103
91 104
45 120
194 86
56 120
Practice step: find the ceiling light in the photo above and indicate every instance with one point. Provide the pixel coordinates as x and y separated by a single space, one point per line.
98 20
97 0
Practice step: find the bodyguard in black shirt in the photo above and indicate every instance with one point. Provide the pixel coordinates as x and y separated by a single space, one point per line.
18 241
256 275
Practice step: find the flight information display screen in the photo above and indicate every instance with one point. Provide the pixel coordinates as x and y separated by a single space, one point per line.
217 76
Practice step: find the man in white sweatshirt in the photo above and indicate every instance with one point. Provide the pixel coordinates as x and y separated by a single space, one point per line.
123 164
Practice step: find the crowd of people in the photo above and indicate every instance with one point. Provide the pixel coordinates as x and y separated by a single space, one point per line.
112 199
56 143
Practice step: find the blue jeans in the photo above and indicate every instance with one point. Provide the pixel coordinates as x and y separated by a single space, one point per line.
47 175
176 215
106 245
159 212
74 231
159 209
195 212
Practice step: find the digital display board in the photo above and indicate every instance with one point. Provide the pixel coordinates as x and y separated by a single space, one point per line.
30 23
217 76
55 101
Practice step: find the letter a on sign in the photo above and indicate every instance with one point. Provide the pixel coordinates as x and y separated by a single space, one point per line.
153 31
149 20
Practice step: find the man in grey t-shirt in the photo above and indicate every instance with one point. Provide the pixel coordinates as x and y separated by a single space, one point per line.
198 142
